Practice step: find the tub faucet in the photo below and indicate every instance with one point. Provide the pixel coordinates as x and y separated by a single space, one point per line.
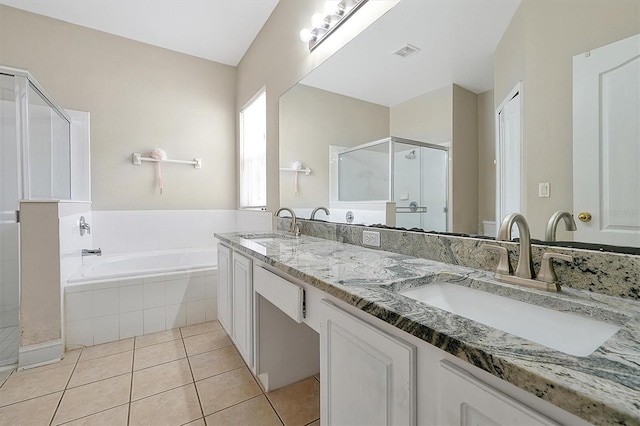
552 225
92 252
313 213
294 229
525 264
84 226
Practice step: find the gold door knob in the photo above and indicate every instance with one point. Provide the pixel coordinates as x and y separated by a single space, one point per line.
584 217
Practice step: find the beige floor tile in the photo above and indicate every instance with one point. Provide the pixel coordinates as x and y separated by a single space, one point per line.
256 411
118 416
159 337
316 423
227 389
101 368
106 349
199 422
160 378
215 362
158 354
206 342
174 407
21 386
205 327
92 398
36 411
317 377
298 403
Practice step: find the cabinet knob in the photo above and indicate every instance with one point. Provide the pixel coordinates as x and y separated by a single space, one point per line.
584 217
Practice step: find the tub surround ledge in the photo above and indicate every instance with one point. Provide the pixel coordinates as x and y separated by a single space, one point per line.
602 388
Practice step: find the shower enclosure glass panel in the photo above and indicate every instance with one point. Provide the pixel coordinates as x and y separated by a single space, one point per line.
49 149
420 187
9 184
364 173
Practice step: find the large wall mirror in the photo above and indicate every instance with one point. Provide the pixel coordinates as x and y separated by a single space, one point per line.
528 105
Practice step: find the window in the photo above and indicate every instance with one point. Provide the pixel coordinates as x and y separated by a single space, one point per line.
253 153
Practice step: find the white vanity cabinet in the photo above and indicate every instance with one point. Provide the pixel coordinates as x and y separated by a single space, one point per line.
466 401
242 306
235 299
225 288
368 376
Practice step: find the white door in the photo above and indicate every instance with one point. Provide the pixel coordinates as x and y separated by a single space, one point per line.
242 310
225 285
606 143
509 155
368 377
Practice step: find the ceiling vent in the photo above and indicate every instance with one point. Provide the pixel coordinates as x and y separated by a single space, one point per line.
406 50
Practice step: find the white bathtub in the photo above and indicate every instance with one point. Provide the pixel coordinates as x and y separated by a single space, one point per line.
144 263
117 297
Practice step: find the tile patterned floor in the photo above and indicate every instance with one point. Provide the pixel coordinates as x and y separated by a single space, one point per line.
188 376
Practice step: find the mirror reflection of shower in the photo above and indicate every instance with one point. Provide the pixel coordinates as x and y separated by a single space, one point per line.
412 174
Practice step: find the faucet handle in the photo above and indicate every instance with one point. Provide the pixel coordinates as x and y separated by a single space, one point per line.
547 274
504 266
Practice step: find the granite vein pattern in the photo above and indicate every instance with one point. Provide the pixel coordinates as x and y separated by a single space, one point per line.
602 388
615 274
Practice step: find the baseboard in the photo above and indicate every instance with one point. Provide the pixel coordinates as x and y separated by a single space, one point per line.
40 354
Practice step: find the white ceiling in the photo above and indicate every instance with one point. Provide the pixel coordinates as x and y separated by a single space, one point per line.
457 39
218 30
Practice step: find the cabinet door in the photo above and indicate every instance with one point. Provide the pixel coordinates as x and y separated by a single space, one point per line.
225 282
368 376
242 310
464 400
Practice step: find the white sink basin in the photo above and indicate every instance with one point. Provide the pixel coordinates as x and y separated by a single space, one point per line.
568 333
266 237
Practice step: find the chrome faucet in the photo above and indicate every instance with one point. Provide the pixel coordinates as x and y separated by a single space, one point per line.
84 226
92 252
525 264
552 225
313 213
294 229
546 280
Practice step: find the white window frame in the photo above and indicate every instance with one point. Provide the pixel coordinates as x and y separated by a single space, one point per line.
249 202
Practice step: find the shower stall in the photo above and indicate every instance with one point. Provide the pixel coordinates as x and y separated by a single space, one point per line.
413 175
35 148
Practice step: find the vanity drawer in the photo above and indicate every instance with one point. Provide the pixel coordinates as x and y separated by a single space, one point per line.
285 295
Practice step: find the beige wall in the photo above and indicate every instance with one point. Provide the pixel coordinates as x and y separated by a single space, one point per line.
464 157
426 118
140 97
277 60
486 156
538 48
312 119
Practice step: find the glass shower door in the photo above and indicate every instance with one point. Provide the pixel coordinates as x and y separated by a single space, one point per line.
9 227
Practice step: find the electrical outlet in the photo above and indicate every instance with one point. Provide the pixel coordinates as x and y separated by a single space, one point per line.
371 238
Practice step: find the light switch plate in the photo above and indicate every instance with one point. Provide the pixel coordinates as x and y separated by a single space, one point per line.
371 238
543 190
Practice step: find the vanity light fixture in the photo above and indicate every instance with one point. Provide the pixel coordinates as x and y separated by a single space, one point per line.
335 13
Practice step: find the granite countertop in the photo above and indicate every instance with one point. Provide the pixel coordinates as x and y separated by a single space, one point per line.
602 388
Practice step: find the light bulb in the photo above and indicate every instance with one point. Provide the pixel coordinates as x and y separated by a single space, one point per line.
317 20
306 35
